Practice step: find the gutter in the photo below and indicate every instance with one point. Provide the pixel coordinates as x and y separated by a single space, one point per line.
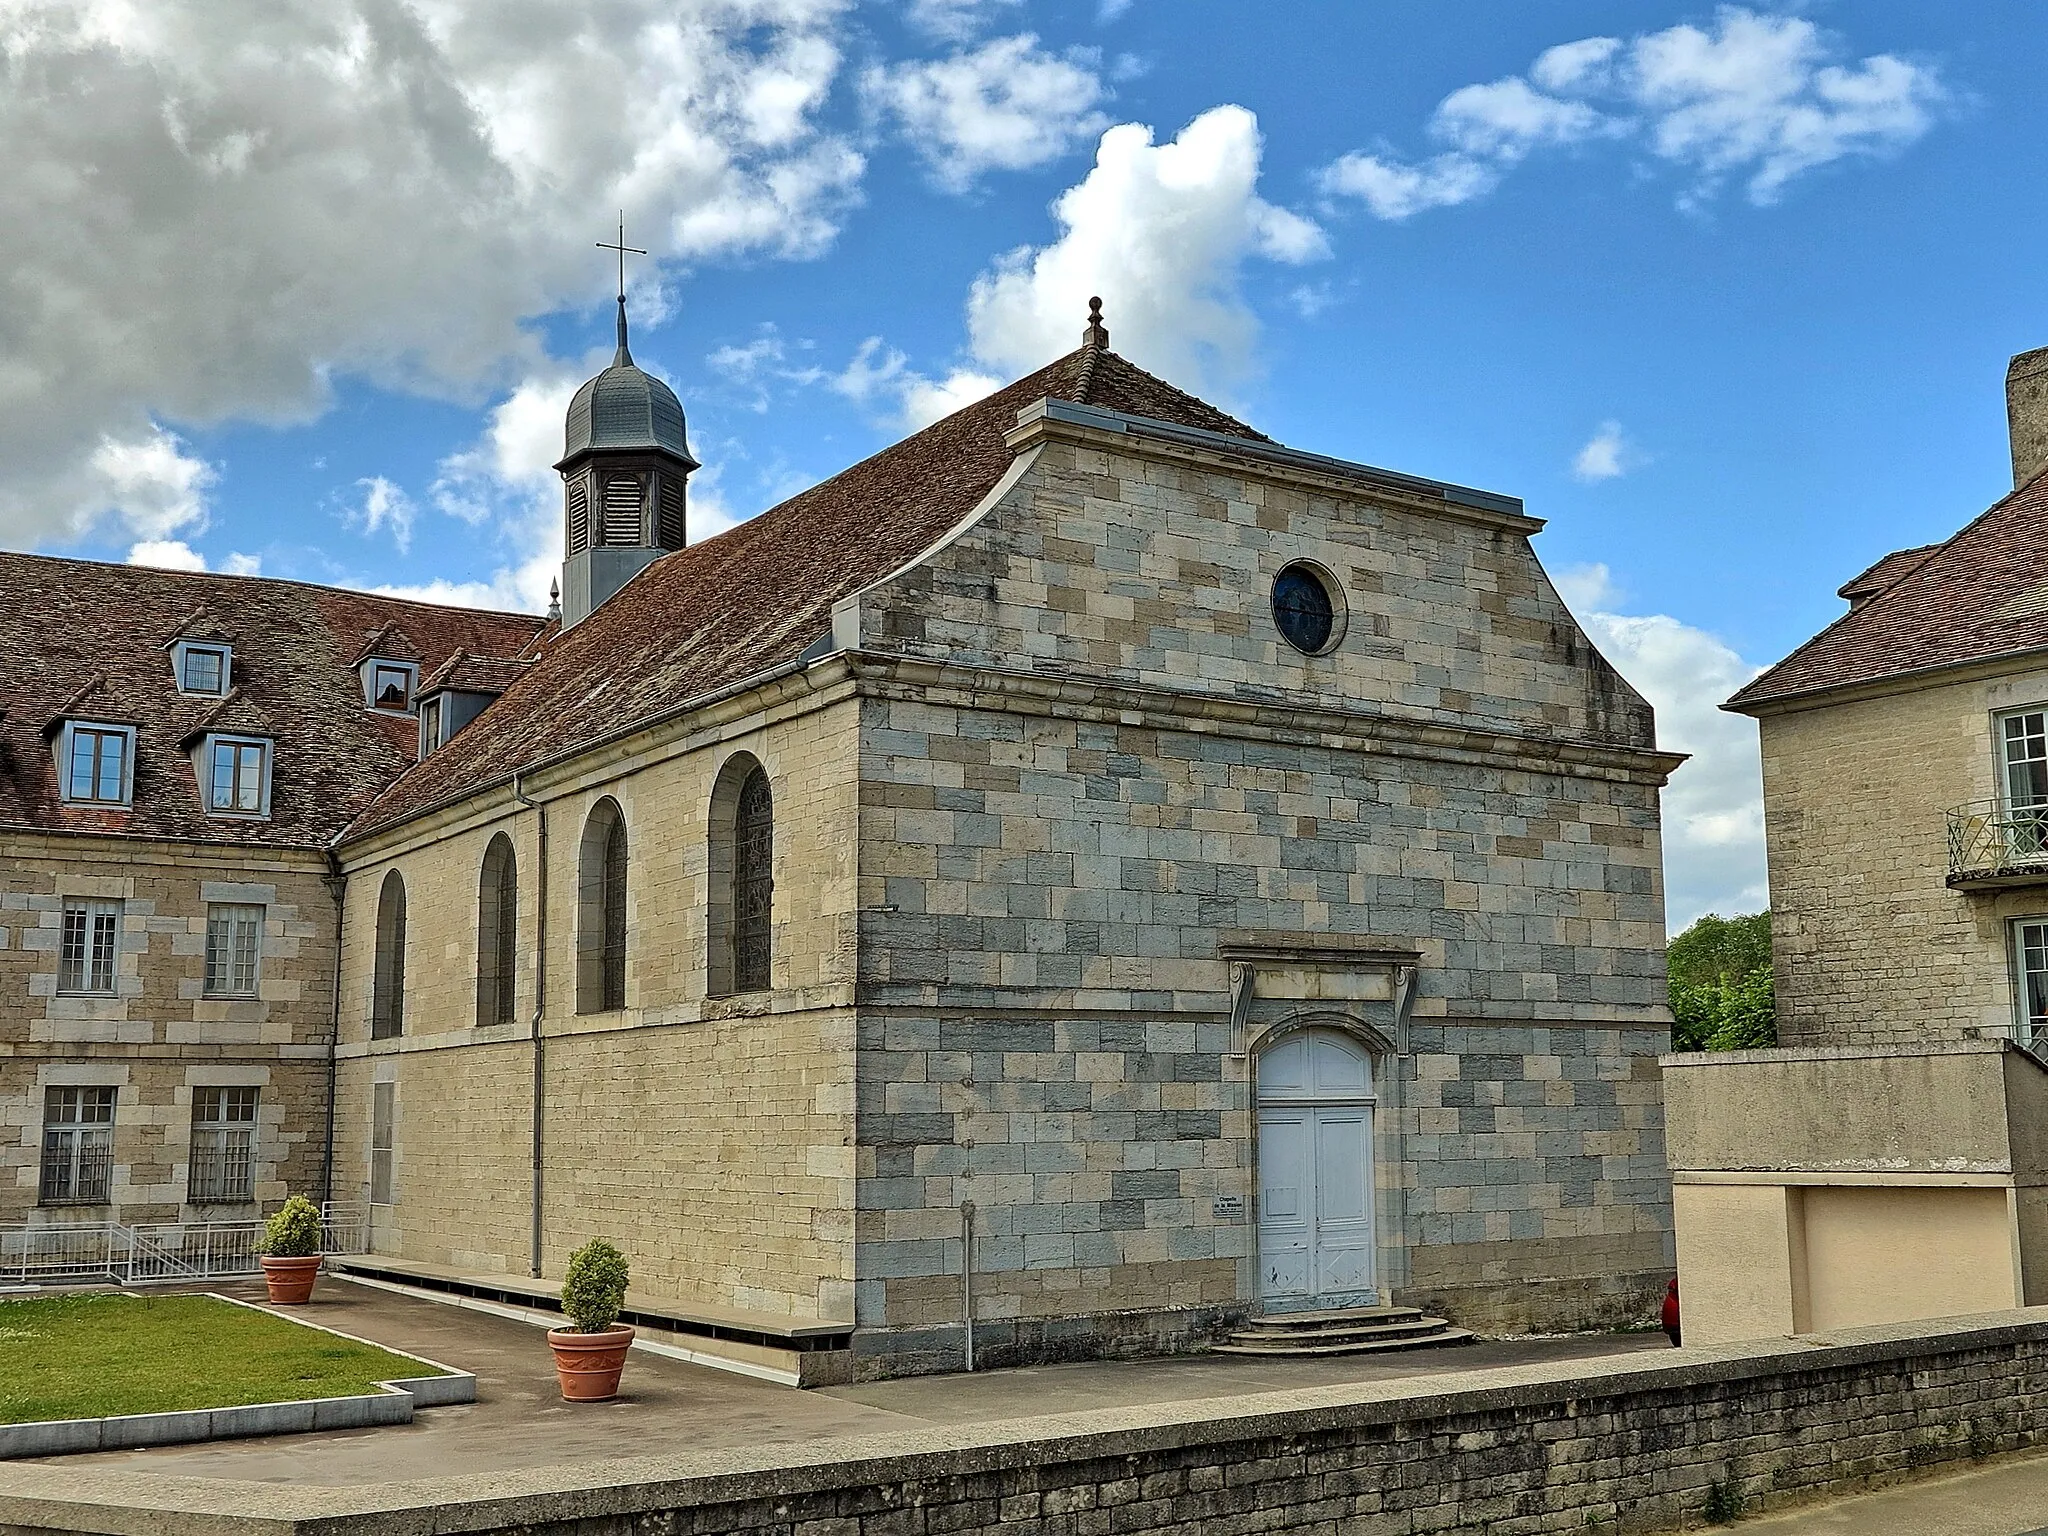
540 994
337 887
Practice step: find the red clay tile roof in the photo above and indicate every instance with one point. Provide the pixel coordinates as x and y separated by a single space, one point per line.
69 622
1980 595
1887 572
732 607
470 673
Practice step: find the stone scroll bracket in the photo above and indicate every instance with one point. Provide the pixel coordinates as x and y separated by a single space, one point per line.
1321 974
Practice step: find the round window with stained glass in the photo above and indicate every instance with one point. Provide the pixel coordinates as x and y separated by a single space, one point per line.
1306 608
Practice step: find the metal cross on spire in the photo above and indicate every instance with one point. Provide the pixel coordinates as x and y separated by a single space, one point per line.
624 250
623 358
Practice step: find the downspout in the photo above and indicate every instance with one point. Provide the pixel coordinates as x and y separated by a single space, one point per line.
540 995
337 887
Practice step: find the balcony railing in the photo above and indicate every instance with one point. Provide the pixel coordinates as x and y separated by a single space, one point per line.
1991 843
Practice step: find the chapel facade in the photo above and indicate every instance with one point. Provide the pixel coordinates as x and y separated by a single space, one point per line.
1080 876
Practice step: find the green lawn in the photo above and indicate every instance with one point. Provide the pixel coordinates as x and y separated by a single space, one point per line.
84 1357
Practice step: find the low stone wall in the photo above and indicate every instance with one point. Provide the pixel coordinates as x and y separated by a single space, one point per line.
1640 1442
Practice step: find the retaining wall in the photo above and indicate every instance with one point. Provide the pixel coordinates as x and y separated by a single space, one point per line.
1640 1442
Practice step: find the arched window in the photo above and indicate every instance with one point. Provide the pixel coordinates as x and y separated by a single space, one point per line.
387 980
601 911
753 882
740 903
497 933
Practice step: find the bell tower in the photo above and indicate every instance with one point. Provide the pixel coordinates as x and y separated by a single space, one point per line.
625 466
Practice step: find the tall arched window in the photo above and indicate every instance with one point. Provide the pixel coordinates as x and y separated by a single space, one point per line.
753 883
387 980
497 933
601 911
740 903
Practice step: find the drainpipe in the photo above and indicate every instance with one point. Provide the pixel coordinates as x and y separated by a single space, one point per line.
540 994
967 1276
337 887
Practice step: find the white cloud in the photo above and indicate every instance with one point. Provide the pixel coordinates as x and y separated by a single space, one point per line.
384 507
177 555
1755 96
926 401
1107 11
956 20
1162 232
1713 807
1008 105
281 196
166 554
1607 454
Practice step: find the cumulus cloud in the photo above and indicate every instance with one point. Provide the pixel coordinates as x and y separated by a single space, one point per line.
1607 454
177 555
213 208
1162 232
957 20
1008 105
384 508
1755 97
1713 808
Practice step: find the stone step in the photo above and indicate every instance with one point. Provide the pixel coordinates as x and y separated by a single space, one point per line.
1332 1333
1303 1351
1335 1315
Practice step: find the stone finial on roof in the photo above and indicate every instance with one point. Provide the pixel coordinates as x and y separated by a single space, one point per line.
1097 334
555 601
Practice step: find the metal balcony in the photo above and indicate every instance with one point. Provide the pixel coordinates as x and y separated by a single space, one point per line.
1993 845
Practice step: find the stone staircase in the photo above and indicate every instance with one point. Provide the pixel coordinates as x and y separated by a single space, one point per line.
1353 1331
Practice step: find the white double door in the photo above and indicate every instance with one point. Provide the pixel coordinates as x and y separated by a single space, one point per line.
1316 1174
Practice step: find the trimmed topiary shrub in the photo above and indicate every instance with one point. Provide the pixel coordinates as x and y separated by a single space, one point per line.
294 1232
594 1286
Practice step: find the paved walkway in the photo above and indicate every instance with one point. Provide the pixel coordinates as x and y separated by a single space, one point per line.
519 1420
2009 1499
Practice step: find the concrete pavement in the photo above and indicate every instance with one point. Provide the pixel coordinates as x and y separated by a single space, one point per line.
520 1422
2006 1499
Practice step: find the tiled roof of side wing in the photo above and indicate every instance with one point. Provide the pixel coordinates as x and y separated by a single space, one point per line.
716 613
93 640
1977 596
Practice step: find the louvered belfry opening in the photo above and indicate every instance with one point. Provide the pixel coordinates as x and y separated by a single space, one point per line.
579 516
753 883
671 532
624 500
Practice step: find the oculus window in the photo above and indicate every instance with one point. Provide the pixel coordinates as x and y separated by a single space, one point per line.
1306 608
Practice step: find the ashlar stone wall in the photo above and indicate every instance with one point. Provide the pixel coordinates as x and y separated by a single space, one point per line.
158 1036
1870 945
709 1136
1102 763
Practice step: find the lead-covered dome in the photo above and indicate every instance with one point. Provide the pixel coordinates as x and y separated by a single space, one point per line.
625 407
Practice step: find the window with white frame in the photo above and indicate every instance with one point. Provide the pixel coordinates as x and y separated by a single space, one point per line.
78 1146
91 939
383 1142
237 775
203 668
391 686
234 942
221 1169
2030 976
98 763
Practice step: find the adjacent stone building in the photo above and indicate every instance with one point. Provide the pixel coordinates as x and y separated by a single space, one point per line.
1890 1162
1084 873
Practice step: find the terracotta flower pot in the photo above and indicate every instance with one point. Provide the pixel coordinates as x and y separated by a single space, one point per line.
588 1364
291 1280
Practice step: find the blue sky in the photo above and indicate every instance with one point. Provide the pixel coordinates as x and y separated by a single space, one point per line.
1725 294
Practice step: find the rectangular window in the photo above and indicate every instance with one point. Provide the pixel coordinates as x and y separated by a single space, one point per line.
97 768
92 931
383 1139
391 687
234 939
205 670
430 725
236 776
222 1168
78 1146
2030 971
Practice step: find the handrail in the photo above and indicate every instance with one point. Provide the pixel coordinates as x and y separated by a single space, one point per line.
102 1252
1993 837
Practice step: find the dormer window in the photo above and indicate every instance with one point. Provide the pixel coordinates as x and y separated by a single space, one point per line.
96 763
202 669
388 685
236 774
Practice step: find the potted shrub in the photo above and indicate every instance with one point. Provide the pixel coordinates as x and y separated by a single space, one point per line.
590 1350
291 1251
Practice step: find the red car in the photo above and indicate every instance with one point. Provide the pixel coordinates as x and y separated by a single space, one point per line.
1670 1318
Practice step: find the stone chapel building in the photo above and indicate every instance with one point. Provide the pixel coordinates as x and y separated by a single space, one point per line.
1086 857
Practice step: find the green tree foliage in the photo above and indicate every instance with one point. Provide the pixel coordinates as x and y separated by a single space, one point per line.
294 1232
594 1286
1721 993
